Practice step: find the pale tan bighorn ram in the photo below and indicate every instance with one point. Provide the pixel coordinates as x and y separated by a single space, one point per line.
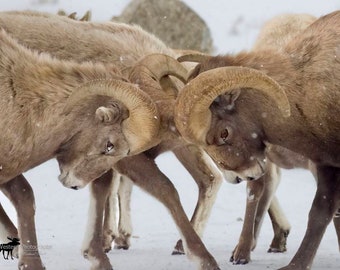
84 115
125 46
238 103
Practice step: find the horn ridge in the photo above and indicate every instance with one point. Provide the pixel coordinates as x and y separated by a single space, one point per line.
160 65
193 57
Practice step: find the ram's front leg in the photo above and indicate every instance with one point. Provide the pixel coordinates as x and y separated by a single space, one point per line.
325 204
260 197
118 204
241 253
144 172
93 241
110 227
208 180
20 193
336 221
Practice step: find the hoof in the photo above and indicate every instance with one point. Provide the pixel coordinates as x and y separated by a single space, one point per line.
178 249
86 254
277 250
122 247
279 243
238 261
177 252
122 243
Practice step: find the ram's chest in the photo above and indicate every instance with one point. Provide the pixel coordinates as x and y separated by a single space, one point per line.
12 164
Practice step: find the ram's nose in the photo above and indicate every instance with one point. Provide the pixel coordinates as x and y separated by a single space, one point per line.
238 179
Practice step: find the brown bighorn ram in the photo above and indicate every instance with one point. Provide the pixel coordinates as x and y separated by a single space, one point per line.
274 35
237 104
126 46
84 115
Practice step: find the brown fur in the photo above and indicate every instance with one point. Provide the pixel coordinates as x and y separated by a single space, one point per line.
275 34
35 89
308 70
128 44
124 45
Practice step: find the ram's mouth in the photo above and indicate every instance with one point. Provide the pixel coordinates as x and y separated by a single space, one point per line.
70 181
238 180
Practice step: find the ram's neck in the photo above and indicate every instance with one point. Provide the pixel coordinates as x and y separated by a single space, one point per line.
49 81
34 90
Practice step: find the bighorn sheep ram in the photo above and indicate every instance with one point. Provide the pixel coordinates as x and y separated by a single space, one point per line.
228 109
275 34
51 108
125 46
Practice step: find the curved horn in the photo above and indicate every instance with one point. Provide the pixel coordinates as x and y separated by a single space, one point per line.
87 16
72 15
142 126
157 66
192 114
193 57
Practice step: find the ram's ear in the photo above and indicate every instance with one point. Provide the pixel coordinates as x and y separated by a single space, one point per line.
108 115
227 101
232 97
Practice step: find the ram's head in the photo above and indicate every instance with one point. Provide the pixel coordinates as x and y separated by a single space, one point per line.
214 110
116 119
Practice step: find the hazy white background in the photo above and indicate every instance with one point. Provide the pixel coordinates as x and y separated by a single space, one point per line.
61 213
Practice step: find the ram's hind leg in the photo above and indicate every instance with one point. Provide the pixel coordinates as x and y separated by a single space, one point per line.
124 223
281 227
208 180
117 219
93 241
20 193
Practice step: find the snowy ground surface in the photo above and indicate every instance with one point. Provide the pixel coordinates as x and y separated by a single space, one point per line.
61 213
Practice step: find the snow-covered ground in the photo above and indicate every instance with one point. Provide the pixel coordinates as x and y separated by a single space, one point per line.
61 213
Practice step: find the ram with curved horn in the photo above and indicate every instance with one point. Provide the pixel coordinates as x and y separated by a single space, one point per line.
124 46
274 34
194 118
244 120
81 114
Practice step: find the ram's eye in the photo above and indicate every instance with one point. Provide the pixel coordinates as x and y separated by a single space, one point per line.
224 136
109 147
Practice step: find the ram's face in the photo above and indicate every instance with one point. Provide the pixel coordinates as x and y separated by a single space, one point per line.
233 143
95 149
221 110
